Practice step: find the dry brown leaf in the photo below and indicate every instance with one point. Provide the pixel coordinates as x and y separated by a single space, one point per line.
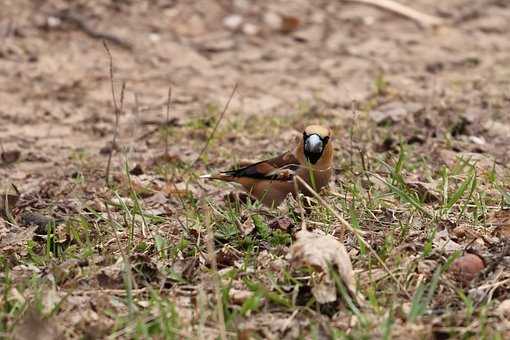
239 296
247 226
33 326
426 191
467 267
18 238
320 251
176 189
394 112
504 309
442 242
282 223
501 220
481 162
9 157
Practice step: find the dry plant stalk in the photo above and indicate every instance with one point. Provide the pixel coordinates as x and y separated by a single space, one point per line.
118 109
424 20
167 123
216 275
357 232
300 204
215 126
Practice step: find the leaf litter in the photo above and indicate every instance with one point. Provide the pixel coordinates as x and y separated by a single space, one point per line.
324 253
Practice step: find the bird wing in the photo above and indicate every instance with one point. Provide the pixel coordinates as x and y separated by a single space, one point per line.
280 168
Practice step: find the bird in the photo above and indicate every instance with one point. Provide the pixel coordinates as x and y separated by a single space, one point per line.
270 181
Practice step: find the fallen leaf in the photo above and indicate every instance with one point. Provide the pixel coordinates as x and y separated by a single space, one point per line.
239 296
481 162
283 23
30 218
496 128
501 220
289 23
319 252
162 159
18 238
144 269
391 113
110 277
426 191
442 242
9 157
467 267
282 223
186 268
33 326
227 256
50 300
247 226
177 189
137 170
504 308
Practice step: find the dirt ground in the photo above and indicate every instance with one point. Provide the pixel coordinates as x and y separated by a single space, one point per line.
377 78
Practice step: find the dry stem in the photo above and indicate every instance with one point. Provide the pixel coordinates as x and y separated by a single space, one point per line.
216 126
424 20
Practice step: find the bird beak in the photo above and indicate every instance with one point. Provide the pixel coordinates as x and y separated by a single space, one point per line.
313 145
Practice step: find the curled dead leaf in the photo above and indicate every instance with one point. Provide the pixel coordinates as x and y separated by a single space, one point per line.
426 191
247 226
320 252
442 242
467 267
282 223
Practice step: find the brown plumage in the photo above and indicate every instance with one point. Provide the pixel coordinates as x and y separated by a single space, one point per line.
270 181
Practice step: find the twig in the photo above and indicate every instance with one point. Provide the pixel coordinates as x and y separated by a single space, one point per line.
117 110
424 20
215 126
357 232
80 23
167 125
365 169
217 278
298 199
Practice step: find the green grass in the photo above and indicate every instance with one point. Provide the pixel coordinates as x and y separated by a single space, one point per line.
165 280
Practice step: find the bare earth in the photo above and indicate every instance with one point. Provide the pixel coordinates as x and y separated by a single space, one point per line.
385 85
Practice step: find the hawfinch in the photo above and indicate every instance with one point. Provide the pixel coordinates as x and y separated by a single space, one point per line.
270 181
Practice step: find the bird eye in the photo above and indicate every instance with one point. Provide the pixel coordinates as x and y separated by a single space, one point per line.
325 140
305 135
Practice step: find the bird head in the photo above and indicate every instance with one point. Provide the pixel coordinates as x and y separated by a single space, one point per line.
316 142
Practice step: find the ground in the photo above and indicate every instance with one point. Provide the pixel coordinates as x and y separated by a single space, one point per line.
421 125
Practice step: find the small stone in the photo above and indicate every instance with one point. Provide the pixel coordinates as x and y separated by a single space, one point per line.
233 22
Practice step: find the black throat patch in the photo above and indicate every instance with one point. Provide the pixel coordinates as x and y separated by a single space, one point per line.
313 157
